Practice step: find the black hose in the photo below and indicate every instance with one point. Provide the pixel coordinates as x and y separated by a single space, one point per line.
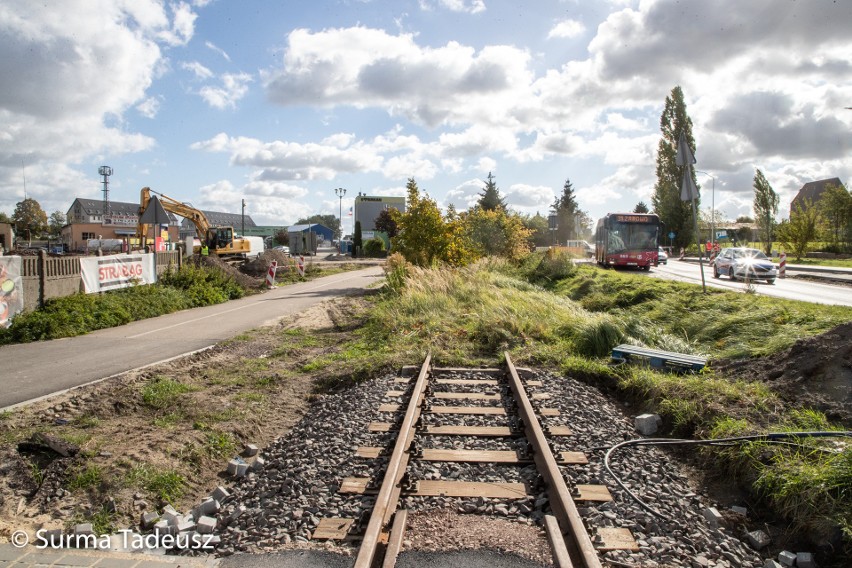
771 437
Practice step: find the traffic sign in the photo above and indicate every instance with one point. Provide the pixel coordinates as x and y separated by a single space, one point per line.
672 235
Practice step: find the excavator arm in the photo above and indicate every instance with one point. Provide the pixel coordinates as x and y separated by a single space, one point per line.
178 208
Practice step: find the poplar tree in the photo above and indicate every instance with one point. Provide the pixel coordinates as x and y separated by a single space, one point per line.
566 212
675 213
765 209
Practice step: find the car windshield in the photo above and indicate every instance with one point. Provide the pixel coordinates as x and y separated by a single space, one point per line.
750 253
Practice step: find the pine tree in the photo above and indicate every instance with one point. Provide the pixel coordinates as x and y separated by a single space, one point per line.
640 208
566 212
490 199
765 209
674 213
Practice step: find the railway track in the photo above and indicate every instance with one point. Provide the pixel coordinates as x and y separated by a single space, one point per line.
480 421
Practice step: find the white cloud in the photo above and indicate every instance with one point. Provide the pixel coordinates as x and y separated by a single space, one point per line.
183 25
529 199
567 29
213 47
149 107
234 87
197 69
466 6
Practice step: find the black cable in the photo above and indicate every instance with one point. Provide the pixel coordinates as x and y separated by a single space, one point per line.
771 437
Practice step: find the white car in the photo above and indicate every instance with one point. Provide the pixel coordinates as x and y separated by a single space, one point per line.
662 256
744 263
285 250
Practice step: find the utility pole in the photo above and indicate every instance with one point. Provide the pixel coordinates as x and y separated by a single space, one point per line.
340 192
243 233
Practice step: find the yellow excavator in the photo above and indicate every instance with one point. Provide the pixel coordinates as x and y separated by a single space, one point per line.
219 240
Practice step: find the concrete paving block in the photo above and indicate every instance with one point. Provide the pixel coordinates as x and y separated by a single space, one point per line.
234 464
758 539
250 450
242 468
206 525
53 537
220 494
787 558
84 529
647 424
186 526
208 507
771 564
148 520
714 518
740 510
258 463
805 560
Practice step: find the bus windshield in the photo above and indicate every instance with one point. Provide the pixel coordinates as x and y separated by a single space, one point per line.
632 236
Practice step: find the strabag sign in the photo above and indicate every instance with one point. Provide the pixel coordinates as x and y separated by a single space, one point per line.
104 273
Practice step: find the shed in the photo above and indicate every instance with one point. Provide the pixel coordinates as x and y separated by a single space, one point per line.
323 232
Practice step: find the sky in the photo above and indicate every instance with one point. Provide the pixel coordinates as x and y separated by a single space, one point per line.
213 102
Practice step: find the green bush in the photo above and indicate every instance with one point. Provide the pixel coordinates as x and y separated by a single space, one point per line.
374 247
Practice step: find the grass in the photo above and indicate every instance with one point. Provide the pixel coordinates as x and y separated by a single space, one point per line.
85 478
166 485
163 393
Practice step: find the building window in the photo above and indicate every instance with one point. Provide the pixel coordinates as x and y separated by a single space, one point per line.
87 236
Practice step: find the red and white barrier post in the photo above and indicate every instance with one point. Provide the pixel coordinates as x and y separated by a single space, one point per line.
270 275
301 265
782 265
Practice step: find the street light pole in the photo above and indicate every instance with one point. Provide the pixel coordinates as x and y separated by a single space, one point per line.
712 209
340 192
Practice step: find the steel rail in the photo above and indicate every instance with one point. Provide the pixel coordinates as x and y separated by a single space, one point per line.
387 498
557 491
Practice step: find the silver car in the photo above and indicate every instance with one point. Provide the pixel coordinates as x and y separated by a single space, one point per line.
744 263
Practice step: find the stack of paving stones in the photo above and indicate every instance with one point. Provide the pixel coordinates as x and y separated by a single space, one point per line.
281 501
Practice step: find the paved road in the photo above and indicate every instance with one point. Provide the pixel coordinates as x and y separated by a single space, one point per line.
32 370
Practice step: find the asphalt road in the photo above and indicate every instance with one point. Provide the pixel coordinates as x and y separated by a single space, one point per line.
33 370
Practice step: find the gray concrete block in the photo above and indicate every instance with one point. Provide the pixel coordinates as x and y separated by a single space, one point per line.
233 465
771 564
220 494
787 558
206 525
83 529
148 520
250 450
208 507
647 424
258 463
758 539
740 510
186 526
242 468
805 560
714 518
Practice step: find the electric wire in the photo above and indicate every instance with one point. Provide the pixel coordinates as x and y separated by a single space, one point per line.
770 437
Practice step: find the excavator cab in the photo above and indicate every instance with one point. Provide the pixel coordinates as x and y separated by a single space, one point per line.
220 237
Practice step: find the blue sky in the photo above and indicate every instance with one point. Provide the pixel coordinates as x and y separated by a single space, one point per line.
279 103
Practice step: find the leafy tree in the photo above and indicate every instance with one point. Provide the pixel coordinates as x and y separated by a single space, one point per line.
835 206
490 199
585 226
744 219
282 237
357 239
765 209
5 218
566 209
675 213
329 221
386 221
56 222
424 237
539 231
29 218
800 230
641 208
496 233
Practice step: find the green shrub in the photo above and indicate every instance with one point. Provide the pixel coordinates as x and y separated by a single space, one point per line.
374 247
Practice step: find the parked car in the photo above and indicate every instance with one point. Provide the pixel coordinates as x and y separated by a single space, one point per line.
662 256
745 263
285 250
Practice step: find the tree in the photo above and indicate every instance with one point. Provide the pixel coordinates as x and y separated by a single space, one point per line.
424 237
566 213
357 239
641 208
675 213
835 206
539 232
386 221
744 219
329 221
282 237
496 233
765 209
800 230
5 218
56 222
29 218
490 199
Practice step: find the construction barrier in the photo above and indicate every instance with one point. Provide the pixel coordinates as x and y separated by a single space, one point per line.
301 265
782 265
270 276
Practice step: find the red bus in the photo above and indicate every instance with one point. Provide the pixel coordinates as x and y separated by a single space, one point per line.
628 239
